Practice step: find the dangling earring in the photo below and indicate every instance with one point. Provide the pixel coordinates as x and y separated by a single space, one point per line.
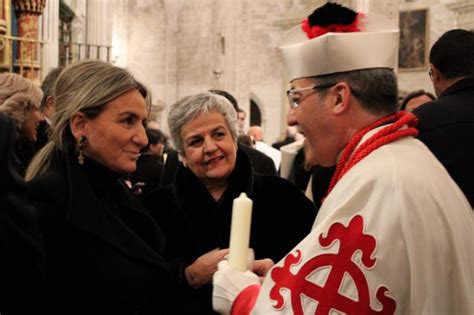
81 143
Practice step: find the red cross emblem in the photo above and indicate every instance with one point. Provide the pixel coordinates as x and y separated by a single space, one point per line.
351 239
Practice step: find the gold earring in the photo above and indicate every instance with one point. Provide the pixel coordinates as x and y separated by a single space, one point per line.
81 143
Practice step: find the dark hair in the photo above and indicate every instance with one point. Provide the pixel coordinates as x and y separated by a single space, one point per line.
453 54
376 89
142 89
245 139
228 96
154 136
412 95
48 84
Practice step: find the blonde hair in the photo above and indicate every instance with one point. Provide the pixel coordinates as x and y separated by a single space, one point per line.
86 86
18 96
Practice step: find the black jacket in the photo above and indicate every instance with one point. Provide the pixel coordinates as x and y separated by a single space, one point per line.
261 163
42 135
194 223
25 151
22 258
149 172
322 176
447 128
103 248
277 145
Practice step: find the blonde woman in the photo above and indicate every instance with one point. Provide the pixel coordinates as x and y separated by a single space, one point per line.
102 247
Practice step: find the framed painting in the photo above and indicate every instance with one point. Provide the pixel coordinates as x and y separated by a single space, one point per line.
413 50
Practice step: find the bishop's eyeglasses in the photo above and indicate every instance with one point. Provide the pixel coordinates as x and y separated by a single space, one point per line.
295 97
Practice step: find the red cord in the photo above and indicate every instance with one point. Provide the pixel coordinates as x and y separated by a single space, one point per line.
385 135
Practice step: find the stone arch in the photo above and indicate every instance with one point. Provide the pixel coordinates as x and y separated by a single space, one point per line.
256 109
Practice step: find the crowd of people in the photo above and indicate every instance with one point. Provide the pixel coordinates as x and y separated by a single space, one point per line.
101 215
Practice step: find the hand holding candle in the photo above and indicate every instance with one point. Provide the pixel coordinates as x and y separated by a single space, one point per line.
240 232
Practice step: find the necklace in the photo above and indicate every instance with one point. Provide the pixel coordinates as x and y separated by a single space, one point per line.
350 156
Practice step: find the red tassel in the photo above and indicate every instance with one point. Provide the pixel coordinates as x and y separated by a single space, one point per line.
316 31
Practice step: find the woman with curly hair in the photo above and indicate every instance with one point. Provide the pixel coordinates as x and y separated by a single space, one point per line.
20 99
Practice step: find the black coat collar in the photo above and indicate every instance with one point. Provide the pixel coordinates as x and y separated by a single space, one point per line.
95 198
9 162
464 84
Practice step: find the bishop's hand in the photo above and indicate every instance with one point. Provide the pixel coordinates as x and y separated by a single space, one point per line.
228 284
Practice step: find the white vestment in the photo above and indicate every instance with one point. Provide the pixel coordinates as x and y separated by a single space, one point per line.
288 154
270 151
416 238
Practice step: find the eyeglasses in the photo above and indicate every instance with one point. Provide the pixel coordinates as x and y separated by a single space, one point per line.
294 95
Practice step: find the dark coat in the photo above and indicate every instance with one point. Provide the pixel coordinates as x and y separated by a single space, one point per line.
194 223
320 183
42 135
277 145
103 248
299 174
321 178
447 128
25 151
22 258
261 163
149 171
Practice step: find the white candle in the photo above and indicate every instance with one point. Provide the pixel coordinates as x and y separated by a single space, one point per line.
240 232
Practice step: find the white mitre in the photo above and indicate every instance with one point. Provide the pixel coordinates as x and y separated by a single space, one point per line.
375 46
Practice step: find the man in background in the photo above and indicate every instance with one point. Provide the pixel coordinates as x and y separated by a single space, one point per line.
256 134
47 107
415 99
446 125
241 115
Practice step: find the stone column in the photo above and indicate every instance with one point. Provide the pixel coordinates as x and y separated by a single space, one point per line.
170 93
389 8
3 22
231 41
99 30
464 11
50 34
27 12
4 45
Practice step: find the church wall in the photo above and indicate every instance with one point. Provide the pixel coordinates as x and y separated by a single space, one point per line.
140 35
138 41
195 47
441 19
266 64
179 47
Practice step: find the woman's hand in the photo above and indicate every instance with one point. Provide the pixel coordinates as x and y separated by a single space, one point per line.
261 267
200 271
